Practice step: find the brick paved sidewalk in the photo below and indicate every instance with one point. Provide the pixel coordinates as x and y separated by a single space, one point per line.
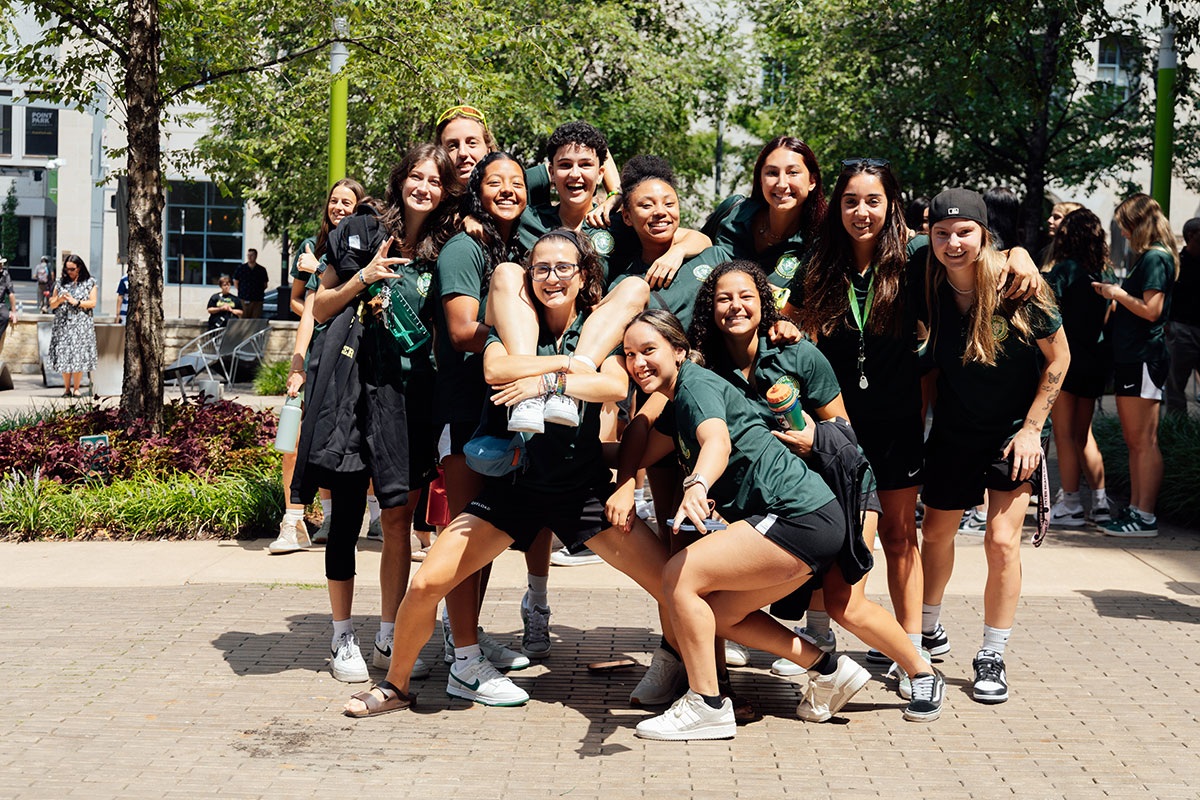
223 690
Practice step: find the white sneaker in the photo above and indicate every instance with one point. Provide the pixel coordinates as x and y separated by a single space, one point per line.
535 641
663 681
528 416
688 718
973 523
292 537
375 530
562 410
904 685
563 558
382 658
501 657
479 682
827 694
644 509
1063 516
347 664
322 534
825 642
736 655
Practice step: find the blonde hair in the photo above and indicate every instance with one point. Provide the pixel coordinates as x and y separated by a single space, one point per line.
1141 215
982 346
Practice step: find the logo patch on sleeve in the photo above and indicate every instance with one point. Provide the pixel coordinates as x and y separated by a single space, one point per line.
603 242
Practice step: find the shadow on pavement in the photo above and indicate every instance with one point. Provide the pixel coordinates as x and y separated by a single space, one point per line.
1141 606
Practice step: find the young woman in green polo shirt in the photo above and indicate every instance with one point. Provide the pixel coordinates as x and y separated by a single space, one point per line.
1140 307
564 482
1001 364
1081 256
862 307
734 310
775 226
785 526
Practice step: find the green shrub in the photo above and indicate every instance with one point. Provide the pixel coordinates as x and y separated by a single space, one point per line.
1179 441
272 378
183 506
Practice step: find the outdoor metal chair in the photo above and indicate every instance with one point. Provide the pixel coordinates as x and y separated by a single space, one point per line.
195 357
245 342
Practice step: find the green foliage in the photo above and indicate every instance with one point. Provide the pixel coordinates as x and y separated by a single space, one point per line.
145 505
272 378
1179 441
9 235
967 92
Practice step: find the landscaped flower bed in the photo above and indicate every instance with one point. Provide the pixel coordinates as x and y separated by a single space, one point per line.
212 473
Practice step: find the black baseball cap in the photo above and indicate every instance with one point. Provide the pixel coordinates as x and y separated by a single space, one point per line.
958 204
355 240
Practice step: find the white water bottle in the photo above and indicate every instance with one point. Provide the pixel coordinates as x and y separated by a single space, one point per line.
289 426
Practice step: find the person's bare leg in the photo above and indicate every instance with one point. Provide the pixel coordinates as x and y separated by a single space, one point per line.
1139 425
395 560
1093 461
937 551
463 601
1062 417
510 310
1002 545
606 325
902 552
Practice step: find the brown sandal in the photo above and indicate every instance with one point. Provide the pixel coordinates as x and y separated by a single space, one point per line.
393 700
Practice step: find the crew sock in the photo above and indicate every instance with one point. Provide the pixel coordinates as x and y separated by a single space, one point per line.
995 639
930 615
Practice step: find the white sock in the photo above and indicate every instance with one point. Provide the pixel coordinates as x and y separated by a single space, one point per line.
340 626
465 655
930 616
293 515
995 639
1146 515
386 629
639 495
326 506
1071 501
373 507
817 622
915 638
538 585
1099 497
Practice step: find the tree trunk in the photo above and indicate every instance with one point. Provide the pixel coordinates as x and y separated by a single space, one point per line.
142 392
1038 142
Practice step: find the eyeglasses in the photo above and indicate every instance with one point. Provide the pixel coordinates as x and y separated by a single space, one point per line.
870 162
564 272
465 111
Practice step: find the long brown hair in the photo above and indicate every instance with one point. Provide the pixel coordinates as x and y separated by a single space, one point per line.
438 226
326 223
670 328
812 213
827 276
982 346
1142 216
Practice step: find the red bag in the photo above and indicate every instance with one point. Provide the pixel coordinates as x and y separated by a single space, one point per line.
438 511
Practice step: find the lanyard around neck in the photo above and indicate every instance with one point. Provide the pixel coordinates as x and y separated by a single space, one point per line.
860 316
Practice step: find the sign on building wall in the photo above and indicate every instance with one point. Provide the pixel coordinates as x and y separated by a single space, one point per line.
41 131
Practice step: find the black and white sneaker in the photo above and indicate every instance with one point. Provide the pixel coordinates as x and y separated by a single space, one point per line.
928 692
937 643
991 682
876 657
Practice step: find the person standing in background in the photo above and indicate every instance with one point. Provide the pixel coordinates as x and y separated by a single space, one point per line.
7 300
73 338
223 306
251 281
1183 321
43 273
123 299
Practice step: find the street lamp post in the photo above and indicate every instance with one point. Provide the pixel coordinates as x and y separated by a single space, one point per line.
339 93
1164 120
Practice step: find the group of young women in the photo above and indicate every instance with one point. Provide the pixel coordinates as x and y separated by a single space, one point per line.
765 380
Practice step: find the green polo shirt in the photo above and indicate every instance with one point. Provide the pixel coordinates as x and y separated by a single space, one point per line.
801 363
564 458
540 220
538 185
460 389
1136 339
1081 307
783 262
762 476
295 272
680 296
983 404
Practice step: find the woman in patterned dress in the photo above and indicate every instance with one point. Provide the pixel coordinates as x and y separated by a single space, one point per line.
73 338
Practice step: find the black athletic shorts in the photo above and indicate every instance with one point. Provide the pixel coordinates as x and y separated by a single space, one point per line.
1144 379
895 448
815 538
957 471
522 512
1088 374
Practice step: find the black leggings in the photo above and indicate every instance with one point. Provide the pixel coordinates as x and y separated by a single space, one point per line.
348 492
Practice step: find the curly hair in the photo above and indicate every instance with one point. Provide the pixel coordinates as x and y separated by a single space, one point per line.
495 249
813 211
438 226
590 266
1080 238
704 334
577 133
827 275
643 168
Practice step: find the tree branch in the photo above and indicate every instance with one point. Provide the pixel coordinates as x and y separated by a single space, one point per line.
69 13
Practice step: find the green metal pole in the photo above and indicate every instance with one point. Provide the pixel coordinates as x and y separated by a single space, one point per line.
1164 121
339 94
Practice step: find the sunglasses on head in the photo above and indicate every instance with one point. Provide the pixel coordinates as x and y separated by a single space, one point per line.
870 162
465 111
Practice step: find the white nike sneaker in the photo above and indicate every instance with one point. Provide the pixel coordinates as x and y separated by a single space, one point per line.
347 664
480 682
382 658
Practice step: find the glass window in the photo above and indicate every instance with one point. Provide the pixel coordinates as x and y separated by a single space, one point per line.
6 138
1117 64
205 229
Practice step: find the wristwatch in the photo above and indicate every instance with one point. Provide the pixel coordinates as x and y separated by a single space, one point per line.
693 479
